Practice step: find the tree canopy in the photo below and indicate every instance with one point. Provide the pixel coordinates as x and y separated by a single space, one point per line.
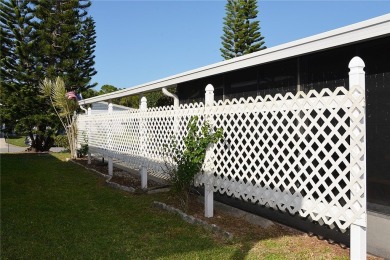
66 41
155 98
241 30
42 38
105 89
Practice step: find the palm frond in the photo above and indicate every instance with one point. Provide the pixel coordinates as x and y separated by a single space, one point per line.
45 87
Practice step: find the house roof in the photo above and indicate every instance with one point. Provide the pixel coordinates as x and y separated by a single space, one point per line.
101 105
372 28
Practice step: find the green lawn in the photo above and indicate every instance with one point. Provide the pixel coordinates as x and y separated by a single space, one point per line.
54 209
17 140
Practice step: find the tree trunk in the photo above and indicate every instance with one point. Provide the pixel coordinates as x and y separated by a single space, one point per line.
71 133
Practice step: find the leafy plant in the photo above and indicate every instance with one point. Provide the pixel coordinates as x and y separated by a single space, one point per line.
62 141
64 107
83 150
189 160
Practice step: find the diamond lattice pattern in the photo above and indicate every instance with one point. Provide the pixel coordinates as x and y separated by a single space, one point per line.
301 154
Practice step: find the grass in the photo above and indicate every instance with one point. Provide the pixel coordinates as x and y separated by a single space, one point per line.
17 140
55 209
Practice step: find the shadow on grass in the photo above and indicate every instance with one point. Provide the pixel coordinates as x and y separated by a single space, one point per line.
51 208
56 209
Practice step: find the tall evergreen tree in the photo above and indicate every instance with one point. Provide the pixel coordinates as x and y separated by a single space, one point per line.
42 38
17 40
241 31
66 40
87 60
22 109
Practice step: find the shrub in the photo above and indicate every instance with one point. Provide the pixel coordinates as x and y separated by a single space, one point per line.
190 159
83 150
62 141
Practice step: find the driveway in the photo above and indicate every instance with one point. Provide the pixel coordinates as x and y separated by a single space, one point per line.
9 148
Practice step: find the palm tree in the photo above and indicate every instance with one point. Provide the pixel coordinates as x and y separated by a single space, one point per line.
65 105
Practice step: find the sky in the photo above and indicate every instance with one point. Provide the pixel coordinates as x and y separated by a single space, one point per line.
142 41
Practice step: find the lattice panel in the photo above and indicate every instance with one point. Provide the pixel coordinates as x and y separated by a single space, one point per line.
293 153
138 137
114 135
302 154
82 130
163 127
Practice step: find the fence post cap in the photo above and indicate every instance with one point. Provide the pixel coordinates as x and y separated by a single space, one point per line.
209 87
356 62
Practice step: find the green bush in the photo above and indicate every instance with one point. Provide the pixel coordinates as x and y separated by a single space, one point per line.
189 161
62 141
83 151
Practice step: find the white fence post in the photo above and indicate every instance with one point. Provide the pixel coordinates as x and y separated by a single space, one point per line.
358 237
208 187
89 133
143 171
110 162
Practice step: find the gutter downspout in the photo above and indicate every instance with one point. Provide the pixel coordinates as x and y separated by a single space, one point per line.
83 108
176 106
169 94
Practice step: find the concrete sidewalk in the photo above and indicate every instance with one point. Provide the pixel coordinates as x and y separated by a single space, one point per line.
9 148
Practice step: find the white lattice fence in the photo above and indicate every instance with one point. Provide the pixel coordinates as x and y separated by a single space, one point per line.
302 154
163 126
138 137
291 153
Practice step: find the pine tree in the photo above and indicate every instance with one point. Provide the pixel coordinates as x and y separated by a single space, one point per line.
22 109
8 62
42 38
241 30
87 62
17 50
67 41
